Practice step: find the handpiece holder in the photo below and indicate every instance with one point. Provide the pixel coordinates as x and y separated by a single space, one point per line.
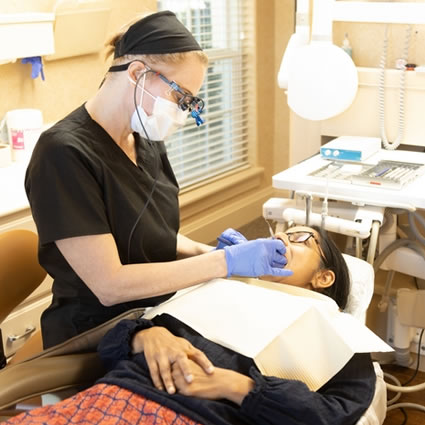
342 217
332 224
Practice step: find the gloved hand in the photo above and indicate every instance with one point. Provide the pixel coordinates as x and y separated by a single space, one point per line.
230 237
257 258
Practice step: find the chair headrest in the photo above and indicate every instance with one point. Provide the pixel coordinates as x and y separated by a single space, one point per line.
362 279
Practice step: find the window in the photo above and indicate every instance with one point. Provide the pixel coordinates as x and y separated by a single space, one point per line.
224 31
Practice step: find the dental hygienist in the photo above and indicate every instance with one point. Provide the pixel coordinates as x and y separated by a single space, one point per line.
105 199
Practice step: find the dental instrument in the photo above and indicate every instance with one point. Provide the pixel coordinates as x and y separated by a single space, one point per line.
270 228
224 241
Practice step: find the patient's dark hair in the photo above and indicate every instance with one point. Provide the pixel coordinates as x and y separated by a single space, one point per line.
332 259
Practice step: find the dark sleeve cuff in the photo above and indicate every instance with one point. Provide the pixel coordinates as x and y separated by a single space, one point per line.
267 402
116 344
341 401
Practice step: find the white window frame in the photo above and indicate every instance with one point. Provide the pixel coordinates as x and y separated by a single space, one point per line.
195 154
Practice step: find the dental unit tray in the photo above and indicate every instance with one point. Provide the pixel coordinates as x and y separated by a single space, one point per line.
385 174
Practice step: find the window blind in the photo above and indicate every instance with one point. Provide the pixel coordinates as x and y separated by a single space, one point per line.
224 29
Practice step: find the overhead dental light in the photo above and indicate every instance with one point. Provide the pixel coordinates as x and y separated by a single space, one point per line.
322 78
299 38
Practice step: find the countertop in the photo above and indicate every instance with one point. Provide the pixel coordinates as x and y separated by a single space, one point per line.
12 191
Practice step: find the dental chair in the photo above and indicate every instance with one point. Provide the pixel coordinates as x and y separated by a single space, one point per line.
75 363
31 371
20 275
362 278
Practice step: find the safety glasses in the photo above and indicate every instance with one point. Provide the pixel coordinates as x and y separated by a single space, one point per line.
302 236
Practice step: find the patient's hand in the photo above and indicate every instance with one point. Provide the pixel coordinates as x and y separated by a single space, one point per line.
164 350
223 383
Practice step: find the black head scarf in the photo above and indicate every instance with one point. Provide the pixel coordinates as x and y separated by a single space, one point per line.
158 33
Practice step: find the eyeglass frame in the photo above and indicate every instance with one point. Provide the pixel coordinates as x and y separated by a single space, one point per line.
310 235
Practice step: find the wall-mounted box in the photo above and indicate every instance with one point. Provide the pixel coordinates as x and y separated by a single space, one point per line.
26 34
80 27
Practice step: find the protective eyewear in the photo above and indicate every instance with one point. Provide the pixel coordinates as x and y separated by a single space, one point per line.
303 236
194 104
300 236
186 101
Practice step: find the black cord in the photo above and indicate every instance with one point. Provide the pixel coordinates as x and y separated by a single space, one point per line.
417 361
405 416
142 212
413 377
156 172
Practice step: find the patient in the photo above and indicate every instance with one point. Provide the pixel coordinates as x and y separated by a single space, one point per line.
163 372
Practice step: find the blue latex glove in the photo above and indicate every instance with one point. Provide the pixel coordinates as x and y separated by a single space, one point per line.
230 237
257 258
36 66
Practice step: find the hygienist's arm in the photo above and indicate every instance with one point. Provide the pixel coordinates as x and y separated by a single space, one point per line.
96 261
188 248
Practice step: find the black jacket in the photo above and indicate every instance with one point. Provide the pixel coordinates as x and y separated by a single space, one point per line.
273 401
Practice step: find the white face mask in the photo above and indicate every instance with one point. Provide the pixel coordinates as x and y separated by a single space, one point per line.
166 117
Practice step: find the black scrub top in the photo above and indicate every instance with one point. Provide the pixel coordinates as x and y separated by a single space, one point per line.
79 182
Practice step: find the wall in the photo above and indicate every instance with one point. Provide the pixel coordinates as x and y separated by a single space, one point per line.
362 117
69 82
366 40
284 27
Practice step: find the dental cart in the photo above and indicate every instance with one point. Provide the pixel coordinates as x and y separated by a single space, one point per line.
358 193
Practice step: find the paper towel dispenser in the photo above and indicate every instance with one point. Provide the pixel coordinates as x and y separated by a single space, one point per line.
80 27
25 34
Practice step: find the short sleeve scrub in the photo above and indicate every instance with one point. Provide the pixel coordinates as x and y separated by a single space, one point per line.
79 182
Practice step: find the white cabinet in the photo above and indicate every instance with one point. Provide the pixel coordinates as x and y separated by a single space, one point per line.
27 34
27 314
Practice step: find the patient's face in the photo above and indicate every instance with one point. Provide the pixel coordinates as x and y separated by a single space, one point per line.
303 258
